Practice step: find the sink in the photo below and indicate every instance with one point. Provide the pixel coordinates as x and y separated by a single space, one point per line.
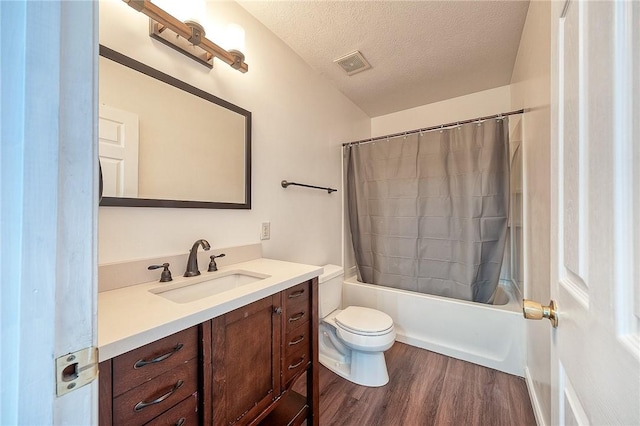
196 288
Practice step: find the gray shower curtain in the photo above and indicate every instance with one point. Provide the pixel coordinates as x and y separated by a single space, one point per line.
428 213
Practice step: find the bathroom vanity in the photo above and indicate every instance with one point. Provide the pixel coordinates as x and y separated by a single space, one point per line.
213 359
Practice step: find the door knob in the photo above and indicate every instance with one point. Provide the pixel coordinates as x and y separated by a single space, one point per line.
534 310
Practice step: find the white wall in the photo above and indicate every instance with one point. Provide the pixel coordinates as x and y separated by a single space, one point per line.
530 89
299 122
465 107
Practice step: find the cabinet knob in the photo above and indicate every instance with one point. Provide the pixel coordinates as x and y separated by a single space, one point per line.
278 310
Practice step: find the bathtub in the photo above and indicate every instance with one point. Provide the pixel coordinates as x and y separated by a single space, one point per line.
488 335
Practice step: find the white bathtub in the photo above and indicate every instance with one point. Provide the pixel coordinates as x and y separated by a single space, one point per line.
488 335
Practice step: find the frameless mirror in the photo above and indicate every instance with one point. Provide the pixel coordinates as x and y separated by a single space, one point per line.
165 143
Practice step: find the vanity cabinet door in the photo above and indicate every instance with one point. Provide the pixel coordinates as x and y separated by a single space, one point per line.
246 347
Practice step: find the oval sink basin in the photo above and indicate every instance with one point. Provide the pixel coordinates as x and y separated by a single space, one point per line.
196 288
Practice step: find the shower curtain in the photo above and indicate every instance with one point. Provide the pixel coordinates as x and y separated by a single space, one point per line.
428 212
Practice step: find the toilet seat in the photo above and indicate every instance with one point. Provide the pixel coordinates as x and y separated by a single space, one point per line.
363 340
364 321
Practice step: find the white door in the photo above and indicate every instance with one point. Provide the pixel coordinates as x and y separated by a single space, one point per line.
595 235
118 130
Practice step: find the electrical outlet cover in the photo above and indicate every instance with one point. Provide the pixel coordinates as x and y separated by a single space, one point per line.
265 232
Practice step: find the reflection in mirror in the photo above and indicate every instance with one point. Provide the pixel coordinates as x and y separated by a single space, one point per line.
164 143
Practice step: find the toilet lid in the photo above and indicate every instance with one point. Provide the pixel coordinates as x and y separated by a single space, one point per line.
361 320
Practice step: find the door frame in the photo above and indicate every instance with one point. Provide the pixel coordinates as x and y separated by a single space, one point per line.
48 205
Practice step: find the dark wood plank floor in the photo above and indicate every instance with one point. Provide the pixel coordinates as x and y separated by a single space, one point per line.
426 388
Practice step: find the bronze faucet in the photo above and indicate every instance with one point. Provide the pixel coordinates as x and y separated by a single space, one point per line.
192 263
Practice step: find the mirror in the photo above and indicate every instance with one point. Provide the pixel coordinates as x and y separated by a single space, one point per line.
165 143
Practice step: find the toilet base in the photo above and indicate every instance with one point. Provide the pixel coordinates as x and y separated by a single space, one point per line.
366 369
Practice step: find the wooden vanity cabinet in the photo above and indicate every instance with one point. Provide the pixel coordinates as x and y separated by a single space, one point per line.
234 370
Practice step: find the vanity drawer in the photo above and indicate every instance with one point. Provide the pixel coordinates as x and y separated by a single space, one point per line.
297 347
297 306
183 414
144 402
295 362
296 293
140 365
297 338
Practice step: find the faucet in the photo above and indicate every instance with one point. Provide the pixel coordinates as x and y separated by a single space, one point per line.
192 263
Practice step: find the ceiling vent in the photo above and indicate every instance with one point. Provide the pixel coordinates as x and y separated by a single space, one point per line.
353 63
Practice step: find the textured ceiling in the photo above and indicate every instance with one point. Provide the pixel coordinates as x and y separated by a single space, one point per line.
420 51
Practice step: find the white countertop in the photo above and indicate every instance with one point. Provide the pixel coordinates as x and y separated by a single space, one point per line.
131 317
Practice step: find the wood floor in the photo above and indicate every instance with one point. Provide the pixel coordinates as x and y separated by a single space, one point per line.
426 388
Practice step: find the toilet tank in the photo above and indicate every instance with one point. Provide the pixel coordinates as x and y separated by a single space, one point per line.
330 289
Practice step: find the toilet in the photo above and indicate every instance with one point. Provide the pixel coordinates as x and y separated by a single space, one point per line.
352 340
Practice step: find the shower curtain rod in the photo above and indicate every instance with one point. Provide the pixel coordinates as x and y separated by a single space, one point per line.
432 128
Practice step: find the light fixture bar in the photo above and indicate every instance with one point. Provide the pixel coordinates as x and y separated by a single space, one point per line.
162 20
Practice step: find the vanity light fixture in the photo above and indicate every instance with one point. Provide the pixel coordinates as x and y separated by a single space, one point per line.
186 37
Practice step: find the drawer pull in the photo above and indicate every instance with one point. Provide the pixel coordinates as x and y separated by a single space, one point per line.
297 364
296 317
141 363
297 340
142 405
296 294
180 421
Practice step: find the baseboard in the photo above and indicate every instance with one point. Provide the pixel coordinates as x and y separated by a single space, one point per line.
533 396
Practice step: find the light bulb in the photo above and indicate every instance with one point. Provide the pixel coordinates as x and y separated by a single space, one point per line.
185 10
234 38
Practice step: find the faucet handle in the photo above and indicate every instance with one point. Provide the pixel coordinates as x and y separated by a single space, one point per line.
165 276
212 265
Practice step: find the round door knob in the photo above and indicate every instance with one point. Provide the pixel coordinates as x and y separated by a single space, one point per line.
536 311
278 310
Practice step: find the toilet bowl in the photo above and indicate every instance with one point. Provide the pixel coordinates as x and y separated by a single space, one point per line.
352 340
